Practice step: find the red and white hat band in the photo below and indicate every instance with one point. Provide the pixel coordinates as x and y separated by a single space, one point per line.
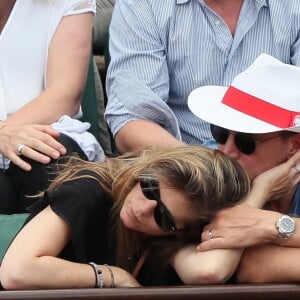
263 98
260 109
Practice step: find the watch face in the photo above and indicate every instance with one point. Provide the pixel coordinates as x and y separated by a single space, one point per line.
287 225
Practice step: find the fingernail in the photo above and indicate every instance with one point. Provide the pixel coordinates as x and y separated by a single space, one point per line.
55 154
27 167
46 159
62 150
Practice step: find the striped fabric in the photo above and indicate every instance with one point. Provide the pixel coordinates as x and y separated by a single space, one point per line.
162 49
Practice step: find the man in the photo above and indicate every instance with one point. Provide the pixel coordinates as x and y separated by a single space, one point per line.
256 120
162 50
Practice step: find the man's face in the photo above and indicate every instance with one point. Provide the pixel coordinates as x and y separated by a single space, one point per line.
271 150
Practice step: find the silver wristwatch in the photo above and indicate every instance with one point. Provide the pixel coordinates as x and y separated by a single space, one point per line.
286 226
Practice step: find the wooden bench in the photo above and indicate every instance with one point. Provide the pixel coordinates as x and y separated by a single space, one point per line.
211 292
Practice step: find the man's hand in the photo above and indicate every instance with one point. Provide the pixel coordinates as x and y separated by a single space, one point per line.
239 227
278 182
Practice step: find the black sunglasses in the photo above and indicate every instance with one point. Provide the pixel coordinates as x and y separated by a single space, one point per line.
163 218
244 142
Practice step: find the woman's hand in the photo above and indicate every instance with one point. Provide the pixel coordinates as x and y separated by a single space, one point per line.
38 140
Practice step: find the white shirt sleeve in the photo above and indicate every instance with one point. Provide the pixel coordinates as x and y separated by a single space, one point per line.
82 6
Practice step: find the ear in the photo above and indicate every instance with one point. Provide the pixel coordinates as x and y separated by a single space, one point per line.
293 144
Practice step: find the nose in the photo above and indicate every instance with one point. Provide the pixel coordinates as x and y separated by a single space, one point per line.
229 148
147 207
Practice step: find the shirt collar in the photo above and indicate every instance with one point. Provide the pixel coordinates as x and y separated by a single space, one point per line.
261 3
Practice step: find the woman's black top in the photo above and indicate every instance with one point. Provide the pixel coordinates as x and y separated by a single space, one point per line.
85 206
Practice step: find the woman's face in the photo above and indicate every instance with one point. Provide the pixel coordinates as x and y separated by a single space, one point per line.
139 213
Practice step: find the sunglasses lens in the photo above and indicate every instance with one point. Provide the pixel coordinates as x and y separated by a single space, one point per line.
245 143
149 189
219 134
163 219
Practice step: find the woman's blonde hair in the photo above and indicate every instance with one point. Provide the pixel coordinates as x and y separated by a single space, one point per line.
207 178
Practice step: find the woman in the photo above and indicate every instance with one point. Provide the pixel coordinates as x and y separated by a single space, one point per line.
120 212
45 48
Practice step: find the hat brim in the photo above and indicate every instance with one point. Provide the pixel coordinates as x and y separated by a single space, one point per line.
206 103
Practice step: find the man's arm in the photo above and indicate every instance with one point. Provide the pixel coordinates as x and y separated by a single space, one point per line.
269 264
138 133
138 80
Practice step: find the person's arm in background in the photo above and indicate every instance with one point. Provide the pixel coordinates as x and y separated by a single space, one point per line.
68 59
138 80
207 264
139 133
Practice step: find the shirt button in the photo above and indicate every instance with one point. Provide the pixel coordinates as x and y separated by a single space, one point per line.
218 23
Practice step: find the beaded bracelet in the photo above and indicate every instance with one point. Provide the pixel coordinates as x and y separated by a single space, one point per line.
99 275
112 284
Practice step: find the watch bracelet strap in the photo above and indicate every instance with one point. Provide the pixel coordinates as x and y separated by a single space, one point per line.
281 238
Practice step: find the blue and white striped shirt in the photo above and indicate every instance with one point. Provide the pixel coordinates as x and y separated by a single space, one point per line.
163 49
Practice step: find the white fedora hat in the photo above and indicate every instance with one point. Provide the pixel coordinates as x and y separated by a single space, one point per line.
264 98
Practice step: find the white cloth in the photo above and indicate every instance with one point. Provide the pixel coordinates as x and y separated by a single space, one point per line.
77 130
24 44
